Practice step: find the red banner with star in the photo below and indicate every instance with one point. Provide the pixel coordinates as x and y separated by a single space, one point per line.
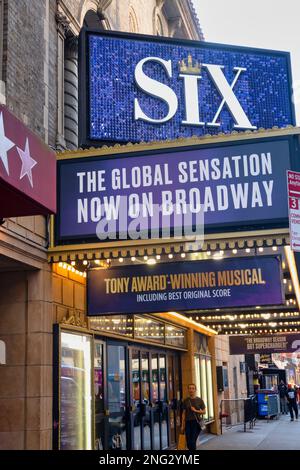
27 170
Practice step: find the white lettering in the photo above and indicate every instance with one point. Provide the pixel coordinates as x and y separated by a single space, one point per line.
154 88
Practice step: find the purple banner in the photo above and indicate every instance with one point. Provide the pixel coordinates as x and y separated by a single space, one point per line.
164 287
236 185
287 342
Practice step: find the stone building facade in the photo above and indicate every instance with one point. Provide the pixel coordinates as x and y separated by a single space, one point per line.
39 84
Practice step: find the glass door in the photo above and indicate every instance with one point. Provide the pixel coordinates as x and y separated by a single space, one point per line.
160 407
155 402
174 396
163 402
145 401
99 374
116 396
140 410
135 408
150 408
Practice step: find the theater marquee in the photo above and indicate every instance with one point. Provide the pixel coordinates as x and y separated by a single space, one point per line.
141 88
238 282
277 343
142 194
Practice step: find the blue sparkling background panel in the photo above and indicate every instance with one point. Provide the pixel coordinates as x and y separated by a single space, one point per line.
263 90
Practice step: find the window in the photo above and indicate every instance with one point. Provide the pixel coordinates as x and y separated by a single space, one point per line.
145 328
175 336
225 375
203 374
75 392
115 324
203 379
151 330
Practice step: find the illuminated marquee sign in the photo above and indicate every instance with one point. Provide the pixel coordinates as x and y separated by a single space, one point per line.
138 88
124 196
266 344
186 286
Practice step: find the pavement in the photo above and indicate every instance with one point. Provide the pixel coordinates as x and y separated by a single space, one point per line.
275 434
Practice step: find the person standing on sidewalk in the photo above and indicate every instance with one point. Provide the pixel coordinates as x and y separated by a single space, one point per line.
291 395
193 410
282 388
298 395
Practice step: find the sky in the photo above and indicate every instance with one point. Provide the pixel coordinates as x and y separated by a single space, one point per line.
268 24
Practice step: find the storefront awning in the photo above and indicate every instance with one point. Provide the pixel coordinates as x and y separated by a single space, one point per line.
27 170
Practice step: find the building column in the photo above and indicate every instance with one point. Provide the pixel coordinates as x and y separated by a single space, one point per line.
26 378
71 92
62 29
215 427
187 363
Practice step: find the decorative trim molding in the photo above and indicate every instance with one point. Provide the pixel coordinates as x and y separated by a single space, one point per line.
63 23
139 248
160 4
181 142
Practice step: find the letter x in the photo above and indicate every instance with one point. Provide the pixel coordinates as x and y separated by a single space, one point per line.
226 91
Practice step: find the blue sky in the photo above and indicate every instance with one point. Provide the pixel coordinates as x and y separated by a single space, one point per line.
268 24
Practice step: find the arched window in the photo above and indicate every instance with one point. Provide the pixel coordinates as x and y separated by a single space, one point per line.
133 22
92 20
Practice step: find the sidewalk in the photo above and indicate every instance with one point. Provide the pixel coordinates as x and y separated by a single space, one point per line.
281 434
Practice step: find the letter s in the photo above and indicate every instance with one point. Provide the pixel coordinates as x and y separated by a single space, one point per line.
156 89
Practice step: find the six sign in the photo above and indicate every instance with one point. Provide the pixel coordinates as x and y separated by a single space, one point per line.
137 88
191 91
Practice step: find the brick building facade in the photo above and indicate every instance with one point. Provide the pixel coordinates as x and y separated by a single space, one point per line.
39 83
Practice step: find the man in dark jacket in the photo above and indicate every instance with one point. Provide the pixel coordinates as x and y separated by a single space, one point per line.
291 396
282 389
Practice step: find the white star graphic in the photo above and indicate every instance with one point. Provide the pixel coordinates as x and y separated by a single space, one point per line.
5 145
27 162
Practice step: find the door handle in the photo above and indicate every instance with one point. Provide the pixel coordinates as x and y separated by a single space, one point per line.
106 413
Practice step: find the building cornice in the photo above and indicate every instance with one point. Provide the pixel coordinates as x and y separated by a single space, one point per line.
25 251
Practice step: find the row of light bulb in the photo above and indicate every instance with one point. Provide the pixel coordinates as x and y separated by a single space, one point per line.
258 325
152 260
217 254
265 316
280 330
71 268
